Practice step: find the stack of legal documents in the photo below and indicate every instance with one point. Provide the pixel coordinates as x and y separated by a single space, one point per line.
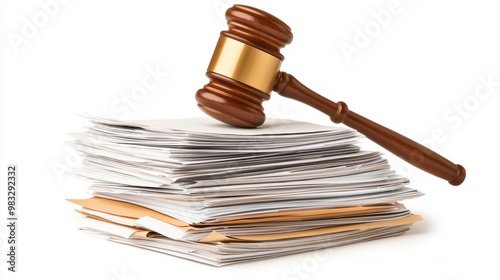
202 190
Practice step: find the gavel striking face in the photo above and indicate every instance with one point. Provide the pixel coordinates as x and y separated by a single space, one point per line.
245 68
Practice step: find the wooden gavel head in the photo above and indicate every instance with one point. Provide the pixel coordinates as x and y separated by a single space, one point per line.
244 67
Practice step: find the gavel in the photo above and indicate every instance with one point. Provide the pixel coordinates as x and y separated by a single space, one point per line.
245 68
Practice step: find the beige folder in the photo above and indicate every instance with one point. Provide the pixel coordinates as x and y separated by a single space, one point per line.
132 211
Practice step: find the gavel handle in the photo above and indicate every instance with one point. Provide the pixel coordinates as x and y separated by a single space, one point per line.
403 147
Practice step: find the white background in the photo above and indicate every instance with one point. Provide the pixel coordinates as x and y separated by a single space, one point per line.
417 74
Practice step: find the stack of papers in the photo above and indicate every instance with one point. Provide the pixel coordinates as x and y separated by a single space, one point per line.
205 191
